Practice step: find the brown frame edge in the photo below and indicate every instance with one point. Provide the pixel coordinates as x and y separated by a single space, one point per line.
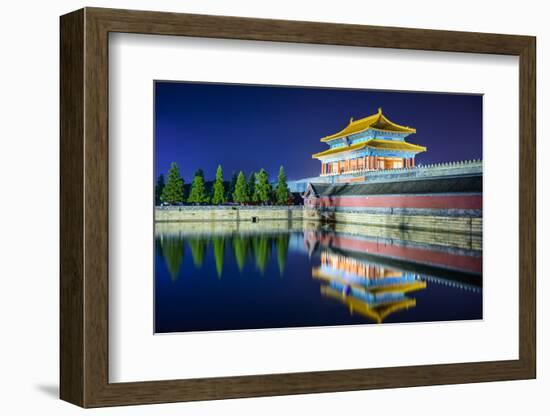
84 207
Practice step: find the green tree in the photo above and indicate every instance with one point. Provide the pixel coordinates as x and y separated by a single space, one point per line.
262 191
281 190
172 192
231 187
251 186
199 172
198 194
240 195
159 187
218 192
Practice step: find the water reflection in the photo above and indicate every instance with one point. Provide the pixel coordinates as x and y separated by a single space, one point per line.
172 252
333 276
244 247
198 250
366 288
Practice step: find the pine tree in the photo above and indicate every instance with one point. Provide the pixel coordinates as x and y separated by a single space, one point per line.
281 190
262 191
231 188
218 192
198 194
251 186
240 195
173 190
159 187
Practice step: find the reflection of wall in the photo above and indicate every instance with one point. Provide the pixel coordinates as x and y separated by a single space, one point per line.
467 225
423 254
427 237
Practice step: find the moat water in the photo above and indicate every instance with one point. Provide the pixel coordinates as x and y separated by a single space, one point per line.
276 275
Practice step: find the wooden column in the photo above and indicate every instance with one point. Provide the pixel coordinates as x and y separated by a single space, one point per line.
412 162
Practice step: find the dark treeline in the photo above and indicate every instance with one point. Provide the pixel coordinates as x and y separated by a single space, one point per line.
257 249
256 189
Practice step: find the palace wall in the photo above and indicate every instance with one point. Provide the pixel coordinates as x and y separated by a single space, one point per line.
228 213
467 167
241 218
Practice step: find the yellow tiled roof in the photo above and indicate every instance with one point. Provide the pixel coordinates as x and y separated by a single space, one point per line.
376 121
394 145
375 144
342 149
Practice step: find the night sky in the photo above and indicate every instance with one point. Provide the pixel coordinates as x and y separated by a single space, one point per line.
248 127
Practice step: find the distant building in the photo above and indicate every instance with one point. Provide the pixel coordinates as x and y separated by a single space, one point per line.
371 143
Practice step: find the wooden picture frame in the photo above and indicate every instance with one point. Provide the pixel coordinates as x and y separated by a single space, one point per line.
84 207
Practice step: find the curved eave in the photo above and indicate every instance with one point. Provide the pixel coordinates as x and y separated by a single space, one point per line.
394 127
370 122
373 144
353 127
339 150
395 145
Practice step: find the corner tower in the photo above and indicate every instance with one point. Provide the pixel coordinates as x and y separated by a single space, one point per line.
370 143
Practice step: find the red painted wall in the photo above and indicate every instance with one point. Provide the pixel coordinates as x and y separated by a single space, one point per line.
401 201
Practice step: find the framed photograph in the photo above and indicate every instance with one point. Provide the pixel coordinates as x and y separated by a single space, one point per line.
257 207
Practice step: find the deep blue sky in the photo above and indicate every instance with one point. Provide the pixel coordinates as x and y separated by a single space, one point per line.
248 127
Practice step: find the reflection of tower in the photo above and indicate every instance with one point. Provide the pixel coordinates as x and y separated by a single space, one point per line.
366 288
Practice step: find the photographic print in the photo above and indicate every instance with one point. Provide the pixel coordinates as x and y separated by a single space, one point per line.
286 207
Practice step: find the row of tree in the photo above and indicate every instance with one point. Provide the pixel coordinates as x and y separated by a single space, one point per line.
257 189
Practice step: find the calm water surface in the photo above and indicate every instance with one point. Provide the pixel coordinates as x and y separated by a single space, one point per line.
250 276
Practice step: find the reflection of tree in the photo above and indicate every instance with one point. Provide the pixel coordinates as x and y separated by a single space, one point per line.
172 252
262 249
240 248
219 249
282 251
198 250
